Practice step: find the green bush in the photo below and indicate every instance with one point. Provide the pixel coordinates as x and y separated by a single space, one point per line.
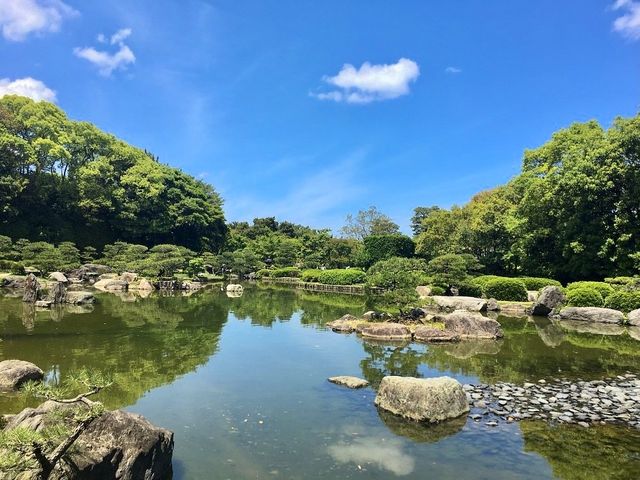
310 275
438 290
263 273
584 297
381 247
398 277
603 288
625 301
15 268
285 272
468 289
482 280
620 281
538 283
349 276
504 288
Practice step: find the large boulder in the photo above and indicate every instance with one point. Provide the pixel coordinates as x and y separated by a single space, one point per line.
550 298
349 382
13 281
344 324
119 445
57 293
58 277
129 277
32 289
591 314
423 291
79 298
472 325
386 331
111 285
434 335
14 373
471 304
423 399
142 285
634 318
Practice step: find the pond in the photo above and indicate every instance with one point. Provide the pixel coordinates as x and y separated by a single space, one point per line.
243 384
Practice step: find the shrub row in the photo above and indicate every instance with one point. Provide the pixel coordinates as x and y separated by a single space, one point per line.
349 276
590 294
603 288
501 288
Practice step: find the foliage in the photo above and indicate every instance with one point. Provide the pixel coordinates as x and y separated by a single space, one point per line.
368 222
349 276
57 174
310 275
584 297
603 288
467 289
420 214
510 289
538 283
285 272
449 269
399 278
438 290
622 300
381 247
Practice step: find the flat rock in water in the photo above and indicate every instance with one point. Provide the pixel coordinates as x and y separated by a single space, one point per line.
472 325
423 399
344 324
591 314
434 335
350 382
14 373
471 304
387 331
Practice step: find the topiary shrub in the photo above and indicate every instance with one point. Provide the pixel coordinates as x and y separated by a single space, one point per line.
468 289
538 283
382 247
603 288
584 297
263 273
349 276
482 280
622 300
285 272
620 281
510 289
310 275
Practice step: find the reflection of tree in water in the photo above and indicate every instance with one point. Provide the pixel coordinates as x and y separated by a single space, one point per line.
391 359
576 453
420 431
163 338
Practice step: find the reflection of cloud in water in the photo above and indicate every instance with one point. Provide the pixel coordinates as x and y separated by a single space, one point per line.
386 454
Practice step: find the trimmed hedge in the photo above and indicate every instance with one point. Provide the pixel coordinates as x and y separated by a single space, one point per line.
510 289
538 283
310 275
482 280
603 288
584 297
285 272
625 301
262 273
621 281
349 276
382 247
468 289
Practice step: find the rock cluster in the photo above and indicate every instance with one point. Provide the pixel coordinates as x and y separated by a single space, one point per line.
614 400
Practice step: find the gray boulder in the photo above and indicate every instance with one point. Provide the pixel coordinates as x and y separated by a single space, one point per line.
12 281
493 305
58 277
79 298
32 289
14 373
472 325
423 291
591 314
344 324
386 331
349 382
118 445
434 335
532 295
471 304
57 293
422 399
550 298
634 318
111 285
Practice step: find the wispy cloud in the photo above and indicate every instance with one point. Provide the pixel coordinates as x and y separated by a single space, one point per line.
371 83
108 62
20 18
629 23
453 70
27 87
387 455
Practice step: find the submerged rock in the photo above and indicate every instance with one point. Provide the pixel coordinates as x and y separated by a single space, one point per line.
423 399
14 373
472 325
119 445
550 298
350 382
386 331
471 304
434 335
591 314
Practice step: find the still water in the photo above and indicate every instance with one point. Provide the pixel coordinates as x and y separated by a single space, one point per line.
242 383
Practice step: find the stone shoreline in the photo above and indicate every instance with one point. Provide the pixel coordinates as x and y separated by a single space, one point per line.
585 403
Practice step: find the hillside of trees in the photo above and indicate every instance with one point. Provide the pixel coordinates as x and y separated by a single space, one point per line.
62 180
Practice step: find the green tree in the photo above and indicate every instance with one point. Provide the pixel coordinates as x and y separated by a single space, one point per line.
368 222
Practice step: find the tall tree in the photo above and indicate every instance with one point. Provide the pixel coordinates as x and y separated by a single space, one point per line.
368 222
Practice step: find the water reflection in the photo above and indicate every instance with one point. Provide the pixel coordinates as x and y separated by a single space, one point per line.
385 454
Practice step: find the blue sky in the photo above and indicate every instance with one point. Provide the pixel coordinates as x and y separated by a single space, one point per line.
309 110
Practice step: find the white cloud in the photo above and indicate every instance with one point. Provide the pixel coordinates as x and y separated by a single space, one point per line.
20 18
453 70
387 455
27 87
371 82
105 61
629 23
